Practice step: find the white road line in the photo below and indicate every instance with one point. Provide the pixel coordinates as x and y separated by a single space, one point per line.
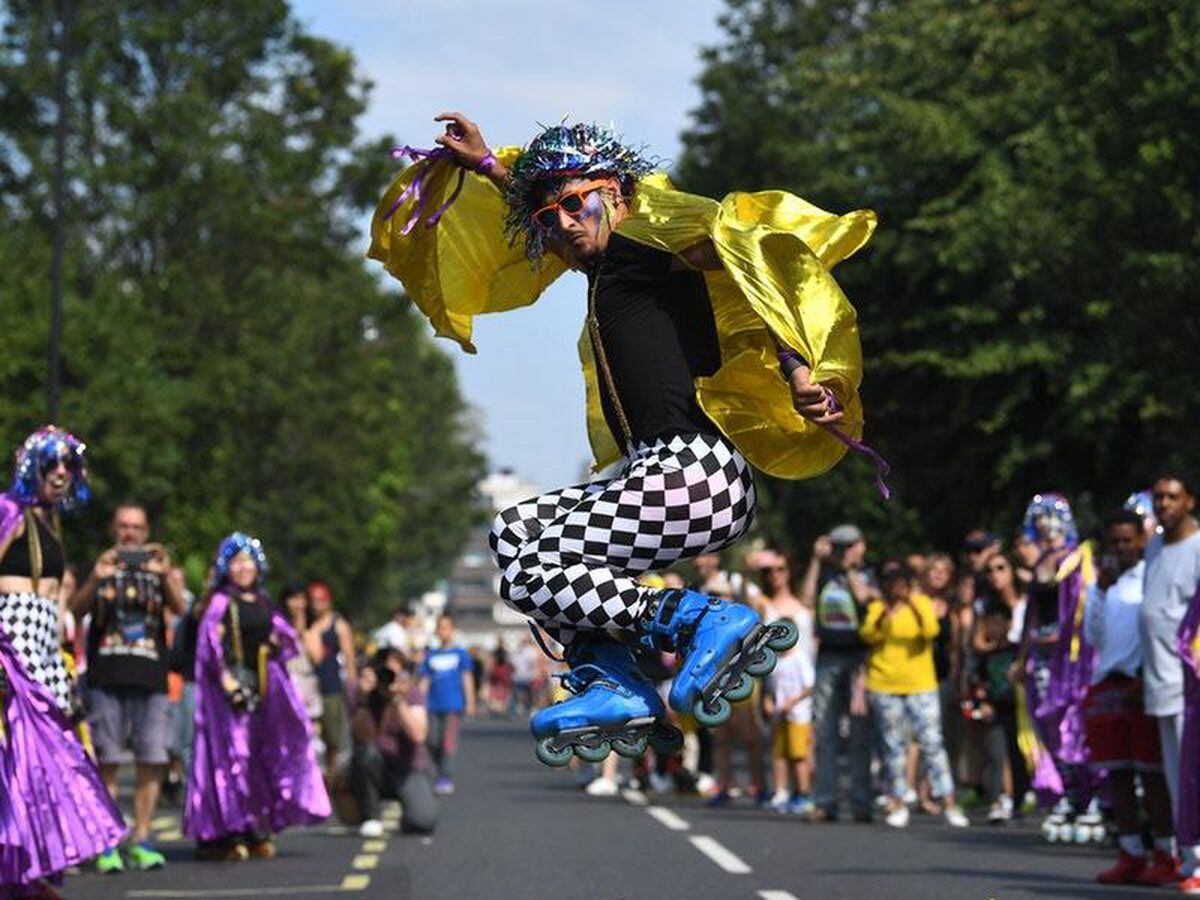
637 798
777 895
726 859
668 818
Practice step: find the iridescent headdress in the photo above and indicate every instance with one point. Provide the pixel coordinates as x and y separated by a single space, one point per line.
237 543
40 453
1048 514
558 153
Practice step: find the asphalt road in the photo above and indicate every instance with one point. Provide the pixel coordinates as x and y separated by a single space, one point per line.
518 830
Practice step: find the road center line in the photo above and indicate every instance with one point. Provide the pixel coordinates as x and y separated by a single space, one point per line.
726 859
777 895
668 818
637 798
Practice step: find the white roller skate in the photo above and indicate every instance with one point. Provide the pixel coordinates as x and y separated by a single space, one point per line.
1089 826
1059 824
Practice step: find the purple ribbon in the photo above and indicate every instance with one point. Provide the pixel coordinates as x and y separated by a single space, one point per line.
416 190
882 466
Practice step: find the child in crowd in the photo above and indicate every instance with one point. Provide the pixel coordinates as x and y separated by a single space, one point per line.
447 680
788 703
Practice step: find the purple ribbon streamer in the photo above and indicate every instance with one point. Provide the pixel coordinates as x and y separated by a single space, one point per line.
416 189
882 466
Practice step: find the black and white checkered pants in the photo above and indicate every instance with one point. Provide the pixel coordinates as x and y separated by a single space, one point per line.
569 559
32 626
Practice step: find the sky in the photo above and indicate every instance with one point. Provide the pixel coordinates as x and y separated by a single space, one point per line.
509 66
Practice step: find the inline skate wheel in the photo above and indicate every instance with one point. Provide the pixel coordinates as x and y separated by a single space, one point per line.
592 754
634 749
762 664
550 755
784 635
714 715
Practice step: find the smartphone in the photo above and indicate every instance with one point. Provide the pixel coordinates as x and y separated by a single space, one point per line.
133 557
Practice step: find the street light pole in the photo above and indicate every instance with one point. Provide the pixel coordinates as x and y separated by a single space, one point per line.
65 13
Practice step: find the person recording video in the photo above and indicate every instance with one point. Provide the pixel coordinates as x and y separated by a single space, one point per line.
126 594
389 727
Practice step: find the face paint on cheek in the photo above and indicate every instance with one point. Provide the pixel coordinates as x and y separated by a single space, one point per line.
593 213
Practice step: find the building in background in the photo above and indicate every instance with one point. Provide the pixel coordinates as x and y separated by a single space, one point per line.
472 592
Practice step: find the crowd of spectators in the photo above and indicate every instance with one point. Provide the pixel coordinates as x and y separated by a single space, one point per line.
1040 677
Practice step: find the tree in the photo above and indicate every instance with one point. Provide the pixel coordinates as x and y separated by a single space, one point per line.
1025 304
228 357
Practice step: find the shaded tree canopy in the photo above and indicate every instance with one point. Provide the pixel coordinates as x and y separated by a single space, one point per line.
227 356
1027 304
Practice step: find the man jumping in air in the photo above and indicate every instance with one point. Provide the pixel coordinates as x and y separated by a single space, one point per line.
715 338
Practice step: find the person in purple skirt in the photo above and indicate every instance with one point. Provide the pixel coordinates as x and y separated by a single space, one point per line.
54 809
254 770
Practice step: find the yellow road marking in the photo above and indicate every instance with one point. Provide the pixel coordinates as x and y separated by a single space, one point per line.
374 846
365 861
173 835
355 882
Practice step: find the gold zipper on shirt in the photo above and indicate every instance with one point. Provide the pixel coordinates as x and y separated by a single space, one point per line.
602 359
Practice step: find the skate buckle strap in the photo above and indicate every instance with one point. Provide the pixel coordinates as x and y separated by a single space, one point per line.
581 677
658 617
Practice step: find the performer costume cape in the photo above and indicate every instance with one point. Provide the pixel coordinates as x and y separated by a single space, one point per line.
1187 816
777 251
55 811
1072 656
251 771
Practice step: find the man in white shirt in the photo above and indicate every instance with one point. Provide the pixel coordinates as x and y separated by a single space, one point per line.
394 634
1172 576
1122 740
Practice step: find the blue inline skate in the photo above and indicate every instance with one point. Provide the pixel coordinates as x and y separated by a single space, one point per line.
723 647
615 707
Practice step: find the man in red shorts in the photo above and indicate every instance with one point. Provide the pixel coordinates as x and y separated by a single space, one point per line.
1121 738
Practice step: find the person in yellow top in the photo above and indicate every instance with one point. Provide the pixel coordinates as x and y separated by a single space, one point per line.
902 689
715 338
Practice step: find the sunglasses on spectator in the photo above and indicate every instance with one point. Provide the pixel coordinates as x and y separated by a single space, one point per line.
999 567
571 203
774 568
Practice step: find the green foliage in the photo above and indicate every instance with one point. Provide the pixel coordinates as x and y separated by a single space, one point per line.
1026 306
228 357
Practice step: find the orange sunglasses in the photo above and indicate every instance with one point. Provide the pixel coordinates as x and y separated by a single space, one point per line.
571 203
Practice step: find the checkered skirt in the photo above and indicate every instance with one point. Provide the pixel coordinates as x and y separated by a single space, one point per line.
32 626
569 559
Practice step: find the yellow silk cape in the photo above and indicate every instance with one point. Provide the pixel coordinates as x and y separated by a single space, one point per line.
777 251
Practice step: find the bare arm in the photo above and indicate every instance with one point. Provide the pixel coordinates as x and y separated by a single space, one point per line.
105 567
468 686
862 592
313 648
808 587
464 139
346 644
413 720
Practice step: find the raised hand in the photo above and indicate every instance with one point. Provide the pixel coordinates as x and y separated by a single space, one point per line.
812 400
462 138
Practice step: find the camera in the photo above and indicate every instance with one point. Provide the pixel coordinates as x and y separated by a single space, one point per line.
133 557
